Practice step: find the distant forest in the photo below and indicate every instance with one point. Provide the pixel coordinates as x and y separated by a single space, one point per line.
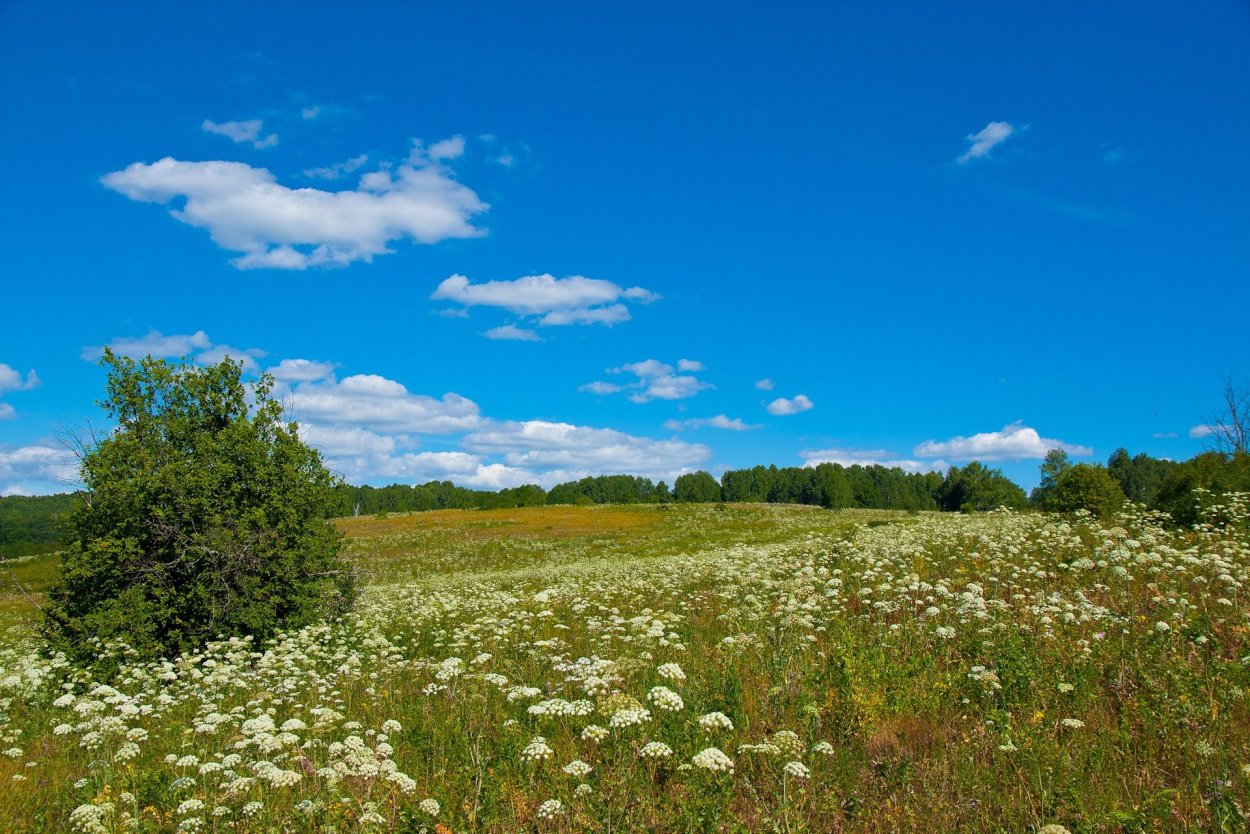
31 525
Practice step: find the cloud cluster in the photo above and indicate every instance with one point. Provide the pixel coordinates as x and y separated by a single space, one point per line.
557 452
1013 442
245 209
782 407
375 403
36 470
242 132
11 380
1200 431
720 421
545 301
656 380
985 140
196 345
869 457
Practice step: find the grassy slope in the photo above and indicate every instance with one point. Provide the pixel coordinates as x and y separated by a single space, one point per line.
929 674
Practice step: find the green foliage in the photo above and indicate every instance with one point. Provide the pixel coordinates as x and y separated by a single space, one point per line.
33 524
1052 468
607 489
201 517
976 488
1140 476
831 485
1212 471
696 487
1085 486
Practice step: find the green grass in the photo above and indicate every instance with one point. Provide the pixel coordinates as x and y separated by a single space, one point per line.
882 672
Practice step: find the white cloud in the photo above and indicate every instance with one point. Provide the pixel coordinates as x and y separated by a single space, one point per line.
197 345
781 406
1164 435
379 404
310 112
601 388
452 148
869 457
720 421
338 169
246 356
985 140
246 210
11 380
240 132
512 332
1199 432
764 384
550 301
301 370
561 451
1013 442
155 344
656 381
37 470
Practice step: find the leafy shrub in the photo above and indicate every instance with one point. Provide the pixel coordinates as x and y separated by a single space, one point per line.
201 516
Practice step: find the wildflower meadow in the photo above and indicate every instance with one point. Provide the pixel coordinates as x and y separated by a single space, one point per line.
684 668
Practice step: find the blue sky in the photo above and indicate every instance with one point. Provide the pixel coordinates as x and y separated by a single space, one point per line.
505 243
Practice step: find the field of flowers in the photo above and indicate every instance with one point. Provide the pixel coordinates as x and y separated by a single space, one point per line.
685 668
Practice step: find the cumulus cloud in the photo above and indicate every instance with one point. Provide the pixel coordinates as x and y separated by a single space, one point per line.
301 370
720 421
1164 435
338 169
242 132
985 140
656 381
1199 432
36 470
1013 442
548 301
561 451
11 380
245 209
379 404
196 345
782 407
764 384
513 333
869 457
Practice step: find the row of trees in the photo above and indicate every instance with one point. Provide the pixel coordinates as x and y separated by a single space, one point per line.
205 514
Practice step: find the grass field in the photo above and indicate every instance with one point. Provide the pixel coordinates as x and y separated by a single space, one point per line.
685 668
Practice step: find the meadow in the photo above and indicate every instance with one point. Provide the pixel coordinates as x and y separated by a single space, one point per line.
679 668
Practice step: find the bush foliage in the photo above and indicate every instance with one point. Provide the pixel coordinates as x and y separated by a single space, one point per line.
203 514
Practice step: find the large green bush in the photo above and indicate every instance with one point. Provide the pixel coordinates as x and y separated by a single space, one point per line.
203 515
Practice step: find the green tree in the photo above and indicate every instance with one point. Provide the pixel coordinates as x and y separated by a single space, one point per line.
696 487
1053 467
1211 471
1085 486
203 514
976 489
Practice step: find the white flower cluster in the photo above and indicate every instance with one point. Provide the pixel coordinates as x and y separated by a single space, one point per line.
713 759
666 699
655 750
715 721
537 750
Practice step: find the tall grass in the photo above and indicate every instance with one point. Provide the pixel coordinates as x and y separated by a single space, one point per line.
702 668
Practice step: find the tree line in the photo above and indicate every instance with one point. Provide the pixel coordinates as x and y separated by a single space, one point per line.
31 525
